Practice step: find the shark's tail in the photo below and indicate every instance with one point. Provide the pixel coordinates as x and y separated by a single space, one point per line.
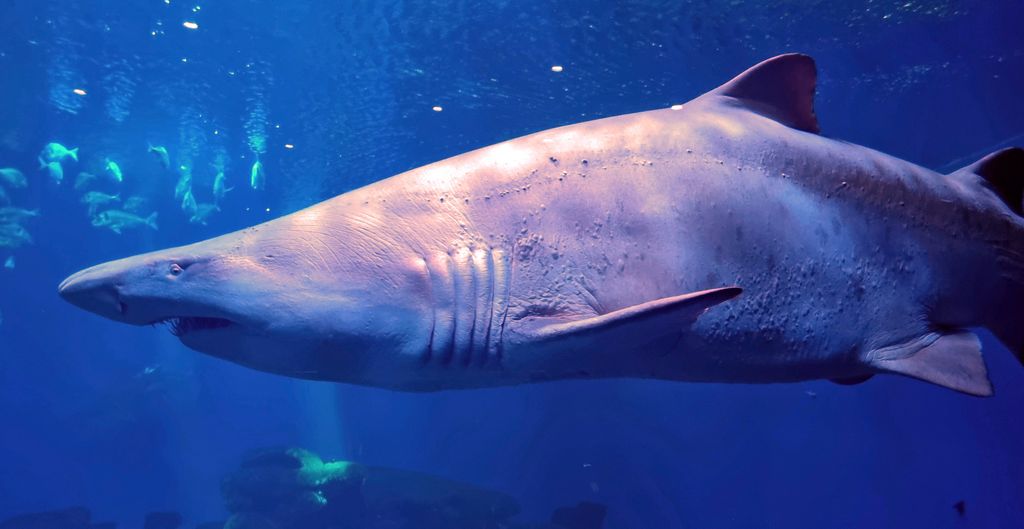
74 154
1002 174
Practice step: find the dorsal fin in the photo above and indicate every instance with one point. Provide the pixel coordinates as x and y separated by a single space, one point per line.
781 88
1003 172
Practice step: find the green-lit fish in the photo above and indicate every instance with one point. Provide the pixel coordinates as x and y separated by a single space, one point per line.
184 182
55 152
84 180
12 215
257 178
161 154
220 187
202 213
96 200
54 169
14 236
188 203
13 177
113 170
117 220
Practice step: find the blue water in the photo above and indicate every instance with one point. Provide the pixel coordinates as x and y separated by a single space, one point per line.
126 420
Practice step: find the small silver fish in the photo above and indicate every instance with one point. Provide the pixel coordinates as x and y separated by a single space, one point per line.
10 215
135 204
161 154
202 213
113 170
220 187
13 177
184 183
54 169
188 203
83 180
117 220
14 236
95 200
257 178
55 152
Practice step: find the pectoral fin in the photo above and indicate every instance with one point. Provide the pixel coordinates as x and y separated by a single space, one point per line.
652 319
952 360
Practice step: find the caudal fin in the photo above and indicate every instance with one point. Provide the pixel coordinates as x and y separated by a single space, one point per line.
151 220
74 154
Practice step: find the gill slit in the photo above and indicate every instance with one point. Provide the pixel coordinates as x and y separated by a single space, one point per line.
492 273
469 309
433 312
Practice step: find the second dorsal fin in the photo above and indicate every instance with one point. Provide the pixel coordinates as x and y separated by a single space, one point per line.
1003 173
781 88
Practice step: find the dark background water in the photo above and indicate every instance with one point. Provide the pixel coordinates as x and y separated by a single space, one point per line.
126 420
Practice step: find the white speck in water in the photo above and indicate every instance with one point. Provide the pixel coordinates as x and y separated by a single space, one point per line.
676 107
268 210
556 68
289 146
79 91
190 25
184 59
437 108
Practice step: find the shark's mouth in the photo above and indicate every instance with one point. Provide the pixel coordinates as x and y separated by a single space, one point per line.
188 324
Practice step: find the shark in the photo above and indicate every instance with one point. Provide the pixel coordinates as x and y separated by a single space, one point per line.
721 240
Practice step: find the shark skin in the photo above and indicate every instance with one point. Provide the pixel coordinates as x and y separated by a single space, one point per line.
723 240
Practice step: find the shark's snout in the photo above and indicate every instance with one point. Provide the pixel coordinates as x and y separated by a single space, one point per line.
95 291
151 289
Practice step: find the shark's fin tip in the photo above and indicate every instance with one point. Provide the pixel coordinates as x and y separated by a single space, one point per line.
952 360
781 88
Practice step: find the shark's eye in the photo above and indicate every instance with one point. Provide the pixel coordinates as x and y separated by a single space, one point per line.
176 269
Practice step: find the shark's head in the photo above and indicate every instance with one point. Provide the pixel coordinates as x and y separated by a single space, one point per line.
286 297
